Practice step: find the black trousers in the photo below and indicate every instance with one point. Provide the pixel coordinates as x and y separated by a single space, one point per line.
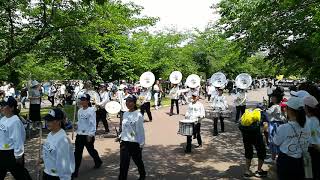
34 112
8 163
174 101
128 150
215 125
209 97
48 177
145 107
51 99
81 142
240 111
250 139
315 159
102 116
196 134
289 167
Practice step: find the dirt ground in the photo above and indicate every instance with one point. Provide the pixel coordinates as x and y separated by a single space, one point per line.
221 157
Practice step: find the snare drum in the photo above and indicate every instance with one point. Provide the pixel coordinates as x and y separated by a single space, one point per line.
186 127
211 114
226 114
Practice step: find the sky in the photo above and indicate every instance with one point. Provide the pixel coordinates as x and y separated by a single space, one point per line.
181 15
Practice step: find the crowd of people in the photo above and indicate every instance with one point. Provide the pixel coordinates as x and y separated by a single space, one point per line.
289 127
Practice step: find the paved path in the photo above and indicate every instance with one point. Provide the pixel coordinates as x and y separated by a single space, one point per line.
221 157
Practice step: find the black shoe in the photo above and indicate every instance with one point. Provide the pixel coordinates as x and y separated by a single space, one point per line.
215 134
107 131
194 137
199 146
261 173
170 114
186 151
98 165
150 120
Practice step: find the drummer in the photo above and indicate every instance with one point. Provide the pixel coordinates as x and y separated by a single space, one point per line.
195 112
219 104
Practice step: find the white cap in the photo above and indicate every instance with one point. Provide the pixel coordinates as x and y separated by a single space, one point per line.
300 94
310 101
295 103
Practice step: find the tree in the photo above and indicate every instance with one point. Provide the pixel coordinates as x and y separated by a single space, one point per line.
287 30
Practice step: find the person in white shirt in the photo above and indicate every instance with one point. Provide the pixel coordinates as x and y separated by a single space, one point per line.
293 139
57 151
12 137
270 89
211 92
219 103
145 98
276 118
195 112
86 134
174 95
156 89
101 111
51 94
312 109
240 103
35 102
63 93
122 100
132 139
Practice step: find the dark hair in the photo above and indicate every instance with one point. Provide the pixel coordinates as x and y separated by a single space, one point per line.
300 116
89 104
314 111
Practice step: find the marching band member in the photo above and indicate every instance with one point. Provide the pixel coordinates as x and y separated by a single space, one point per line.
210 90
85 133
101 112
12 137
145 97
219 103
57 150
35 102
195 112
312 109
174 95
156 89
293 139
51 94
276 118
132 139
240 103
123 106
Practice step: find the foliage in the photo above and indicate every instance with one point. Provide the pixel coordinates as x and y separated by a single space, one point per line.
288 30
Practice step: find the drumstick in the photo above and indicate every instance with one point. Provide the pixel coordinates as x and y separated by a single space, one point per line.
39 154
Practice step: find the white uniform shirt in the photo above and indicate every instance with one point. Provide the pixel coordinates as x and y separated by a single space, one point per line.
146 96
105 98
156 88
174 93
123 104
219 103
62 89
52 91
58 155
195 111
12 135
292 142
275 114
86 121
132 128
313 125
241 99
34 93
211 90
12 92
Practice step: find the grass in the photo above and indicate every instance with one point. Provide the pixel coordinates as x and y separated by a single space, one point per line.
69 109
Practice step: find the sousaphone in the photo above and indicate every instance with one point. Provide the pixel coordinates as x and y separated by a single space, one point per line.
193 81
218 80
243 81
175 77
147 79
